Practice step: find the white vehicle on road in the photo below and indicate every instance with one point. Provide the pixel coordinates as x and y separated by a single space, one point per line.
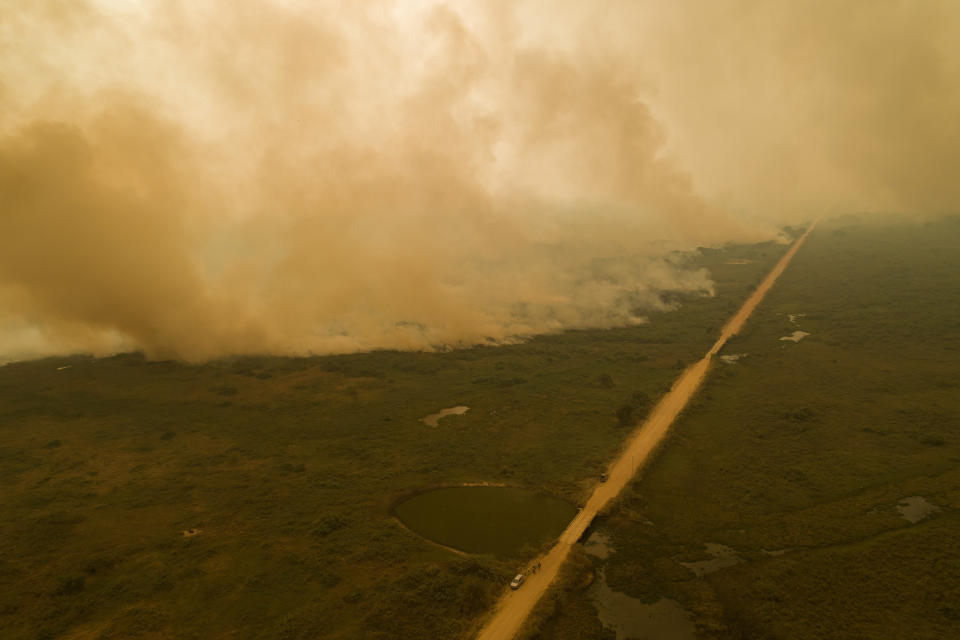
517 581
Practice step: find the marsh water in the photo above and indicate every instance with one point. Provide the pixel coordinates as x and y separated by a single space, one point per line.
732 358
723 557
433 419
916 508
598 545
631 618
496 520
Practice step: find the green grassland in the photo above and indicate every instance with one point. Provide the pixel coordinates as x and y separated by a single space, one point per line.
288 468
807 448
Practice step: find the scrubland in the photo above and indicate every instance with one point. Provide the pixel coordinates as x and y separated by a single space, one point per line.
251 497
798 456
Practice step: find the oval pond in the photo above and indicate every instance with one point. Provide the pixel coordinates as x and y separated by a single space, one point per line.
497 520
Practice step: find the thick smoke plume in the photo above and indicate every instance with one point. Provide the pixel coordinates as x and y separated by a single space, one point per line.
196 179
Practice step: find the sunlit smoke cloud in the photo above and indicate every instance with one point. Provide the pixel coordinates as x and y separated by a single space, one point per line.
206 178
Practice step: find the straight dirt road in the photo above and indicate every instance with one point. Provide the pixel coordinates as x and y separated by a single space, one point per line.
514 606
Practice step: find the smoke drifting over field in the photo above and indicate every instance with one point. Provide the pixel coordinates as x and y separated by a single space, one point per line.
204 178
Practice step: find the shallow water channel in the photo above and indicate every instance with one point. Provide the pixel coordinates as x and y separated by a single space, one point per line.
496 520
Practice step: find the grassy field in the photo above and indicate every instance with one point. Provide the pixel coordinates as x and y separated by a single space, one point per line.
806 450
251 497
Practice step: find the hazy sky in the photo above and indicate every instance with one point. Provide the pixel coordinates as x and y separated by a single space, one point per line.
210 177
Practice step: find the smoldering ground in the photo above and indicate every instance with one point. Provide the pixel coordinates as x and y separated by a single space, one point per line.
199 179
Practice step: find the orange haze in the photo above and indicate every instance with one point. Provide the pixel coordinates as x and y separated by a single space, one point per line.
202 178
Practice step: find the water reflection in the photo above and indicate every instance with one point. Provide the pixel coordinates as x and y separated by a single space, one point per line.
631 618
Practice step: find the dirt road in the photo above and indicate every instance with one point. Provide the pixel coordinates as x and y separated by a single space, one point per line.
514 606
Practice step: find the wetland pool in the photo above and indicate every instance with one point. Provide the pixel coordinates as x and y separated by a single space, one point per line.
634 619
495 520
433 419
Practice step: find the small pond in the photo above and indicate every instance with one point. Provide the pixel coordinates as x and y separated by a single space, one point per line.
916 508
732 358
723 557
495 520
433 419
